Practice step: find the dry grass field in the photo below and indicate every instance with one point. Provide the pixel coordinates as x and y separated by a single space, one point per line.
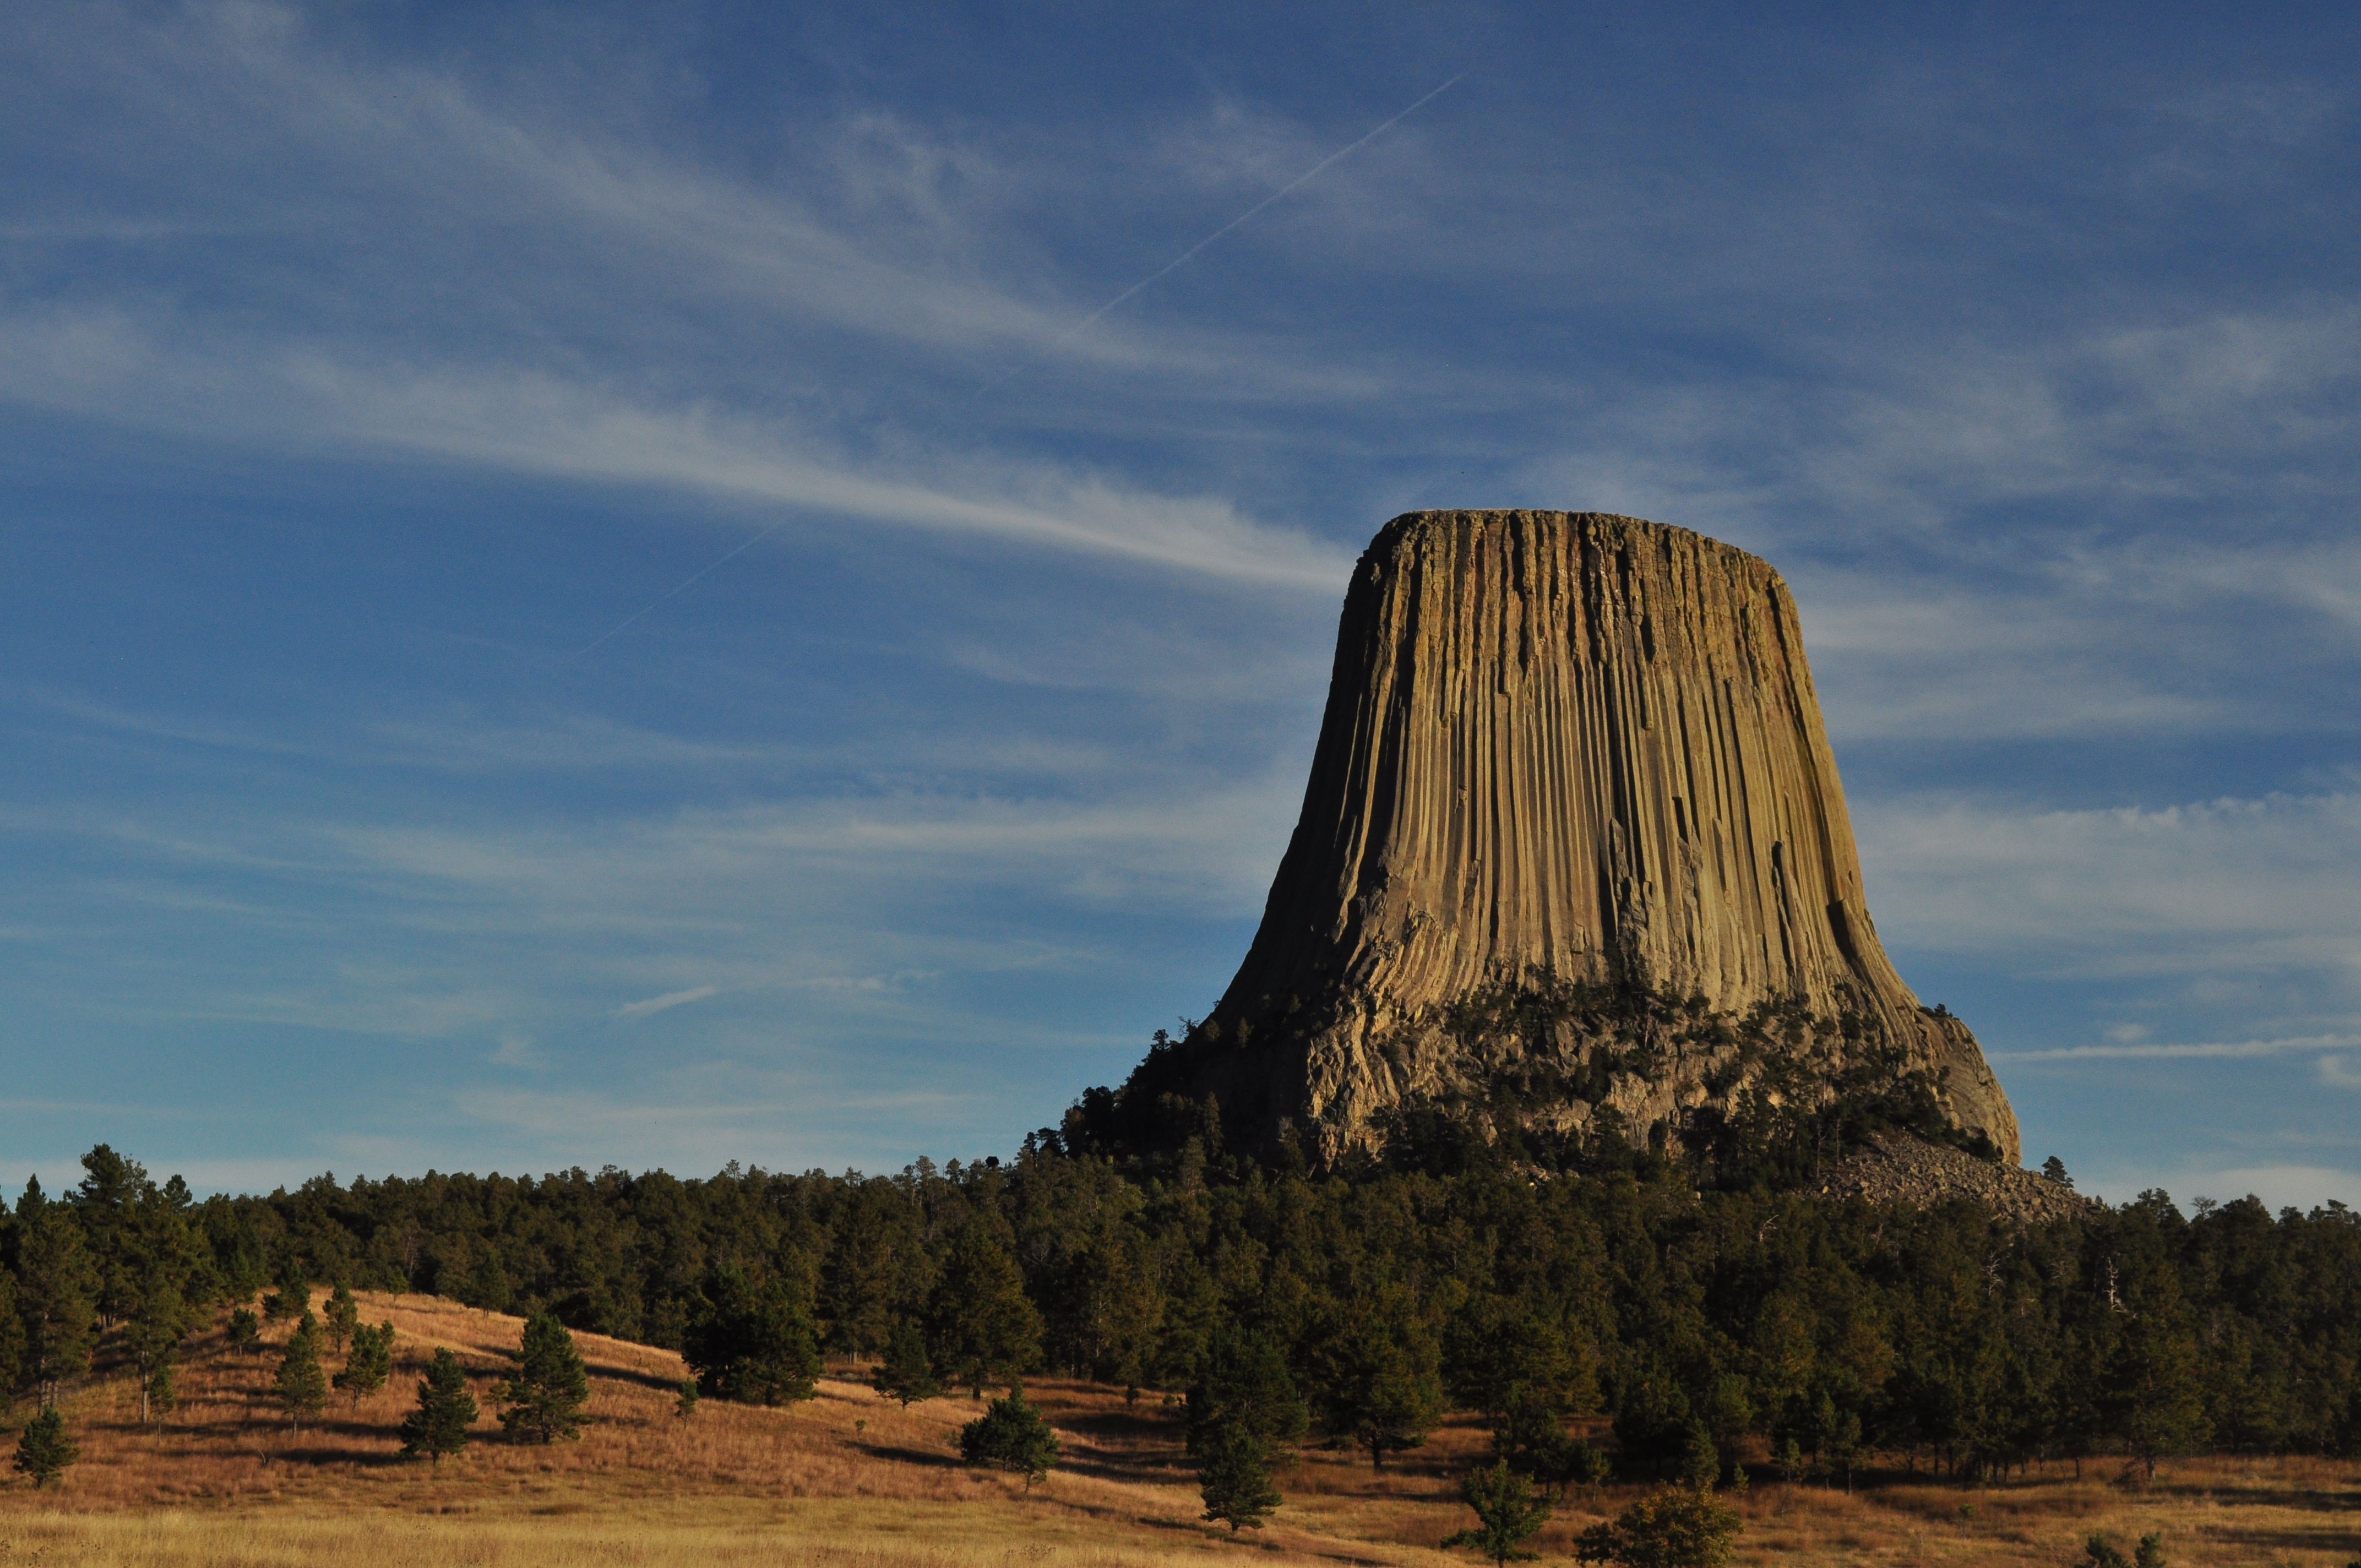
850 1479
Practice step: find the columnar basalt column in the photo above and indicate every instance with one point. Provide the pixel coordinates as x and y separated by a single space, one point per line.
1573 746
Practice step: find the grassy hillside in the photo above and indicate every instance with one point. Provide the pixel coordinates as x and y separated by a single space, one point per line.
848 1478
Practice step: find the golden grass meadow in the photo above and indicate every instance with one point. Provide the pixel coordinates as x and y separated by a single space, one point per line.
850 1478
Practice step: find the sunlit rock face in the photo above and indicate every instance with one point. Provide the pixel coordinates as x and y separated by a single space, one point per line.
1568 756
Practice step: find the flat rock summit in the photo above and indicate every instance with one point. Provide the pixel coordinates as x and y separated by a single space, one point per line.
1574 855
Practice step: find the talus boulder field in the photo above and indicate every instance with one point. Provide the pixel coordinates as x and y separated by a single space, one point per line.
1573 855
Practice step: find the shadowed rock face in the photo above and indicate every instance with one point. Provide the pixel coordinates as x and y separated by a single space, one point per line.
1568 749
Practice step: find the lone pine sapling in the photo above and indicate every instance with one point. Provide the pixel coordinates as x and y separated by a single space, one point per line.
1234 1474
44 1451
545 1394
446 1410
1011 1434
301 1386
343 1316
369 1364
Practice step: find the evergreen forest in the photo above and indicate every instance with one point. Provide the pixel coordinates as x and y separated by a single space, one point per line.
1693 1326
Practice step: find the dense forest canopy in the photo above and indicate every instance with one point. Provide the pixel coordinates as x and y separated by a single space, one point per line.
1940 1336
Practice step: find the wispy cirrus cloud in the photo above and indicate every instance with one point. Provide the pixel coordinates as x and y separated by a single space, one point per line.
669 999
2159 1051
2253 884
108 365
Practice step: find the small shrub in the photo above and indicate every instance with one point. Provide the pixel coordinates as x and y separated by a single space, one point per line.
43 1449
1011 1434
1677 1528
1506 1514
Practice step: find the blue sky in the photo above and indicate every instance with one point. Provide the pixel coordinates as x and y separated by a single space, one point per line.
366 369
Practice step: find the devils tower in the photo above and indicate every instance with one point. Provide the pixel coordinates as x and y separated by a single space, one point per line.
1573 853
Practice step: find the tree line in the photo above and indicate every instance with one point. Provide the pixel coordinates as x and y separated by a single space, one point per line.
1353 1307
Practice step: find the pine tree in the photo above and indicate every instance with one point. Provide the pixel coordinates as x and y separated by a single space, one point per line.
2154 1382
1011 1434
153 1338
487 1283
549 1388
1379 1380
293 1297
11 1331
1243 1381
446 1410
752 1345
2055 1169
862 1271
43 1449
983 1326
159 1390
1700 1460
684 1406
244 1330
369 1364
905 1374
301 1386
56 1294
1506 1514
1233 1473
344 1315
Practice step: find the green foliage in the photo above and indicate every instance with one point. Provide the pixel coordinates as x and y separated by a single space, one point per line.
487 1283
1506 1514
12 1334
302 1387
57 1291
369 1364
245 1331
752 1344
1677 1528
906 1375
1234 1472
1243 1410
2055 1169
1700 1460
2155 1384
983 1326
1377 1375
2102 1552
545 1394
1933 1337
446 1410
1012 1435
293 1297
684 1405
44 1449
1244 1385
344 1315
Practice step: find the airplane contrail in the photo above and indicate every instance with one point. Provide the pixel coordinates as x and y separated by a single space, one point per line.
1164 272
1300 180
684 583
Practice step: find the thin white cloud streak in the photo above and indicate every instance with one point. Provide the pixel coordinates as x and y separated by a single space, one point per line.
443 931
107 366
2235 1050
669 999
2252 886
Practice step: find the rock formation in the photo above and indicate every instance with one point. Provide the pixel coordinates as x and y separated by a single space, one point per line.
1573 852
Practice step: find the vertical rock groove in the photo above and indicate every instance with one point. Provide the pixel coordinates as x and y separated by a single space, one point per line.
1569 745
